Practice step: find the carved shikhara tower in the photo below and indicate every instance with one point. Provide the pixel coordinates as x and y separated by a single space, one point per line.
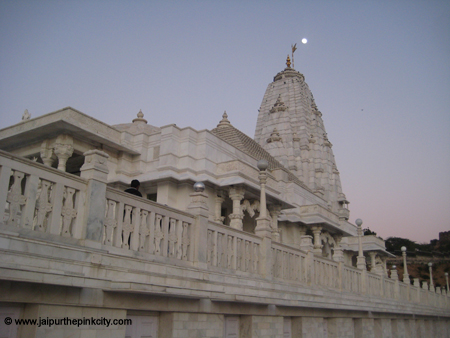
291 129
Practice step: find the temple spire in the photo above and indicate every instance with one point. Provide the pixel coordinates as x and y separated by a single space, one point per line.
291 129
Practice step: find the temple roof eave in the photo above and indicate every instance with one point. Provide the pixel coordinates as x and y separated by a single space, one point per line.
64 121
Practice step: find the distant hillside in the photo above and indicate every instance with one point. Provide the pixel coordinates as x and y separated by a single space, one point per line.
418 257
421 270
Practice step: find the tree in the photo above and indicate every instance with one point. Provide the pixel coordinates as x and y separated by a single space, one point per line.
396 243
368 232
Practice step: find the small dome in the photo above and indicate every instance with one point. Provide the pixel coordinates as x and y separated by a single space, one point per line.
138 126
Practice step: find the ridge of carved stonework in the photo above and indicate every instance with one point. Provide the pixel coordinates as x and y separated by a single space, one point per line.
278 106
274 136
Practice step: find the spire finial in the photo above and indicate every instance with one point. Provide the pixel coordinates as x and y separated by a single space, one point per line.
288 61
140 117
224 122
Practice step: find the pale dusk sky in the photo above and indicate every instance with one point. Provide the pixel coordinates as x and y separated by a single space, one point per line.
379 72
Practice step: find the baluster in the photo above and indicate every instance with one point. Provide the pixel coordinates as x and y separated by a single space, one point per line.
255 258
179 243
127 227
151 240
209 247
214 247
165 240
110 222
239 254
5 175
159 235
43 206
31 191
78 225
172 238
247 255
15 199
219 248
229 251
134 237
185 241
144 231
68 212
57 197
234 260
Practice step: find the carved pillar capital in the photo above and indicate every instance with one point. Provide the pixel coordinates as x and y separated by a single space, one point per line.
338 239
275 211
302 230
47 154
236 193
63 149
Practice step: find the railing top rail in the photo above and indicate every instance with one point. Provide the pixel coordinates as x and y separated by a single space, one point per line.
121 196
38 169
373 275
346 267
325 260
288 248
228 230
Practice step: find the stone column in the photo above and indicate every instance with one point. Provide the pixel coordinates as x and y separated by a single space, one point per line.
218 208
317 242
47 154
372 255
63 150
236 194
338 255
275 211
95 169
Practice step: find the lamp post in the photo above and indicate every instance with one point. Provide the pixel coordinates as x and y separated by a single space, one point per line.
446 280
405 272
263 223
431 275
262 166
361 260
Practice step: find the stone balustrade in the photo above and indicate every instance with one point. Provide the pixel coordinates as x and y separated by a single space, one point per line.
141 225
352 279
232 249
289 264
40 199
